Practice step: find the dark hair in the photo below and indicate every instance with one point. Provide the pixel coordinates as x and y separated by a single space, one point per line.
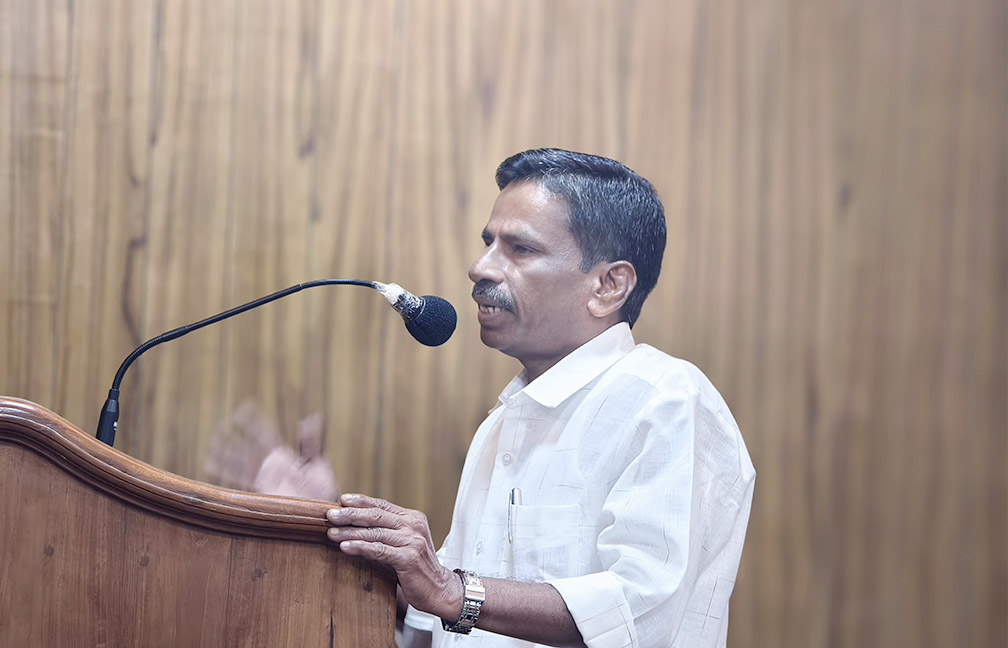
614 214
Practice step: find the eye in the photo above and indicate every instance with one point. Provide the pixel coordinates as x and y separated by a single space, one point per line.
521 249
487 240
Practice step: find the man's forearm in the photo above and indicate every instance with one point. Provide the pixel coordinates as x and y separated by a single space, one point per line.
531 611
400 538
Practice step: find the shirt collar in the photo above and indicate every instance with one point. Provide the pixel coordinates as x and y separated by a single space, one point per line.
575 370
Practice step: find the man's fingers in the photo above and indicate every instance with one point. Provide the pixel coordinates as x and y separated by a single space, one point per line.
368 534
370 550
373 529
357 500
364 517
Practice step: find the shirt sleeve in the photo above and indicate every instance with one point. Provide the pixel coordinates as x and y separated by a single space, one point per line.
418 620
671 533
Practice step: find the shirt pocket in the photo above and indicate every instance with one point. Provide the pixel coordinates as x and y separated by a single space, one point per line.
547 542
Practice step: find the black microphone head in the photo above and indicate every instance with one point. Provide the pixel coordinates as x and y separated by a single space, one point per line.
434 323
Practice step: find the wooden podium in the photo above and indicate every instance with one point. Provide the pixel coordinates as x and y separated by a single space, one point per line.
99 549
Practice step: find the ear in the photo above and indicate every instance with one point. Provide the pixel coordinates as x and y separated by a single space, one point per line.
612 286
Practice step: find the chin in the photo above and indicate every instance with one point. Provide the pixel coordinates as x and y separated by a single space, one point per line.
495 340
489 339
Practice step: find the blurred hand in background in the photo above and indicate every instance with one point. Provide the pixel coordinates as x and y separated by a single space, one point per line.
246 453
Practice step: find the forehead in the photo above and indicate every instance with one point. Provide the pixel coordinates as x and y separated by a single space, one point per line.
527 209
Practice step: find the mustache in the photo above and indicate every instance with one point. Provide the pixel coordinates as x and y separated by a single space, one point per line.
494 293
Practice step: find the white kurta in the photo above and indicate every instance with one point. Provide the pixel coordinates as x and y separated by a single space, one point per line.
635 488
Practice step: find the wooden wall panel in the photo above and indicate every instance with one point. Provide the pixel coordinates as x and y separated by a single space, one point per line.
36 87
834 176
189 239
103 217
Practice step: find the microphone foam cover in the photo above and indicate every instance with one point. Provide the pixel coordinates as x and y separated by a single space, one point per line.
435 322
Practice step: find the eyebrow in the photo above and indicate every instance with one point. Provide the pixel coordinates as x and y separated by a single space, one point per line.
522 238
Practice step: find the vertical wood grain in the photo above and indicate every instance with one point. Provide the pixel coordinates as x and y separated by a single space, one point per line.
103 217
184 267
36 89
834 181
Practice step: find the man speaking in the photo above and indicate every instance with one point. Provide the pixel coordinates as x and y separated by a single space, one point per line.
604 500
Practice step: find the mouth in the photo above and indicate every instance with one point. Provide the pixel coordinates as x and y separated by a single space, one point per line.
491 315
488 309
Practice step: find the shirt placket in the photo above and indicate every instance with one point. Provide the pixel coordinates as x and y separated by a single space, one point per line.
490 542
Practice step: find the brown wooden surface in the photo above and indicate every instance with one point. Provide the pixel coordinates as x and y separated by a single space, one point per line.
100 549
835 180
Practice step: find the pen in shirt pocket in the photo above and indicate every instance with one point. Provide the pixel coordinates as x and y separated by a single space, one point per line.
514 501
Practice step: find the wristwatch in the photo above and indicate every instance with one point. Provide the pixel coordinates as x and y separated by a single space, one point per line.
472 601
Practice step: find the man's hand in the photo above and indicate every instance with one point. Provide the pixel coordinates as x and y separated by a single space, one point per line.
400 538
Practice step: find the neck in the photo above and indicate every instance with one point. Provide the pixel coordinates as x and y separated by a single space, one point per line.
535 367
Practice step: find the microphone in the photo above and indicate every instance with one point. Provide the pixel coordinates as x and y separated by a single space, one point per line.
429 319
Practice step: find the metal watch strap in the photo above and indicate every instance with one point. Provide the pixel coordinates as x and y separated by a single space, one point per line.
472 601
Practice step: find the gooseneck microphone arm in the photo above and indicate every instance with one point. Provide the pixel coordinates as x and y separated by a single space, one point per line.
413 310
237 310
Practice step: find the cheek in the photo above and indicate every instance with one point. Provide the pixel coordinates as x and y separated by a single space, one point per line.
546 289
559 302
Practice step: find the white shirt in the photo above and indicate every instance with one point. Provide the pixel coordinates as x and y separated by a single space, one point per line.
635 489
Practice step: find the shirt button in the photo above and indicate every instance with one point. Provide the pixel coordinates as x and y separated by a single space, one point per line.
479 547
506 459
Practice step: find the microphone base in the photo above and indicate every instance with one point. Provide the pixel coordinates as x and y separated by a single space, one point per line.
108 421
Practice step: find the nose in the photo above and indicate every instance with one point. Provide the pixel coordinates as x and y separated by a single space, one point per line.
486 266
